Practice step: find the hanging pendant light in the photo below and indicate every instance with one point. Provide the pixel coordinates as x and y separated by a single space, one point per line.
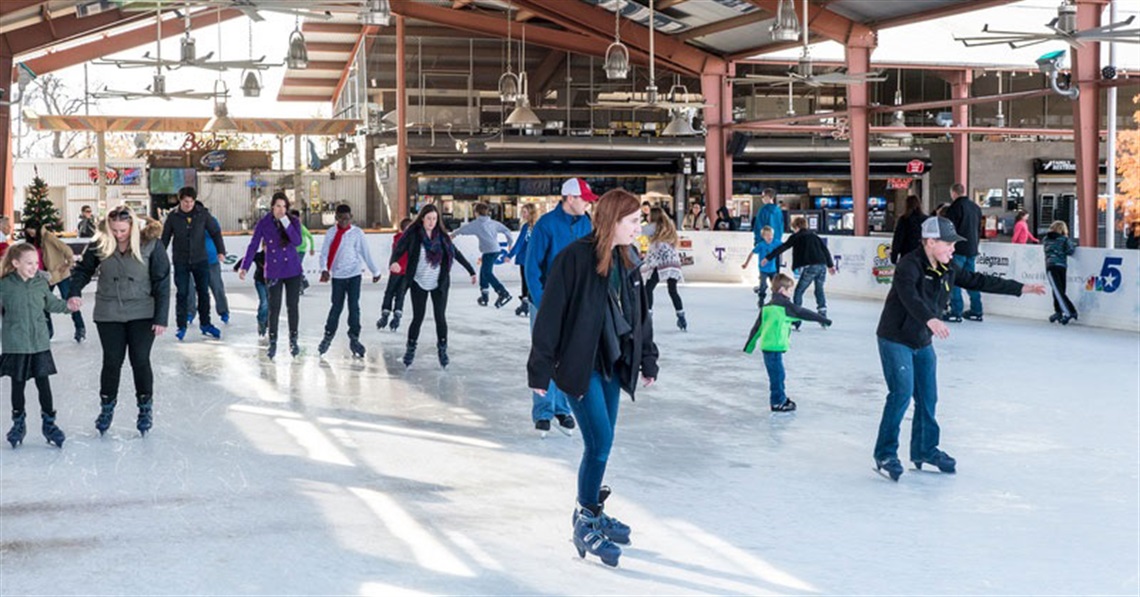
298 56
377 12
522 115
251 79
221 121
616 64
786 27
509 81
679 126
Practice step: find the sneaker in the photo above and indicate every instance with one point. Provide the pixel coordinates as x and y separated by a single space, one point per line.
889 467
564 421
209 330
180 334
940 459
972 316
787 406
225 318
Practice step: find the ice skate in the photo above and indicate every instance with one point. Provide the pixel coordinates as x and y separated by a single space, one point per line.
225 318
443 358
589 538
52 432
483 299
210 330
890 468
410 353
180 334
543 427
940 459
19 428
323 347
503 299
383 321
566 424
395 325
614 529
786 406
262 329
106 413
271 351
146 415
356 347
294 348
523 310
972 316
80 334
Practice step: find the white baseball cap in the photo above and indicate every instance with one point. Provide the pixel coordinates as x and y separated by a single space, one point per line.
578 186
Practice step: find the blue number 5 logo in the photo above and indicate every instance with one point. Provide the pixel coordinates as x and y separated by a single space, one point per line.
1110 273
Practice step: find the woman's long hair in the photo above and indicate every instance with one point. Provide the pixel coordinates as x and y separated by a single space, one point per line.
913 206
424 211
281 196
7 265
608 211
104 241
665 231
530 213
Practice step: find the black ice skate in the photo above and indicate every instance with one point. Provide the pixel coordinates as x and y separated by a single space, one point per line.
52 432
146 415
383 321
940 459
323 347
483 299
890 468
410 353
503 299
523 310
566 424
294 348
395 325
356 347
19 428
443 358
106 413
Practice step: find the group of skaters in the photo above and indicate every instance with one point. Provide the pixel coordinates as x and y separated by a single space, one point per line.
587 288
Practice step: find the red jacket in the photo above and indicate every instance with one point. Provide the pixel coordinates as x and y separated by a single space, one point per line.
403 261
1021 234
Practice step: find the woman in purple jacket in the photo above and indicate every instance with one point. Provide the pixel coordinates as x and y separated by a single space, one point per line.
281 234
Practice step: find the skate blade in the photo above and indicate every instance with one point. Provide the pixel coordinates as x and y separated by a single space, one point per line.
565 431
884 474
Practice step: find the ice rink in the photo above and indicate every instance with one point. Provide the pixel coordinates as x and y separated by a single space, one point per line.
348 477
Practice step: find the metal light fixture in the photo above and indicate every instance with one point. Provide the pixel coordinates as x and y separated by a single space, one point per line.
298 56
786 27
377 12
221 121
509 81
251 84
679 126
617 55
189 54
522 115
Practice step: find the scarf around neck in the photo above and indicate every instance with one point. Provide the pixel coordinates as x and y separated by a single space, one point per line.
434 247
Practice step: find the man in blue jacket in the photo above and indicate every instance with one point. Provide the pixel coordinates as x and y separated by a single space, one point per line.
553 232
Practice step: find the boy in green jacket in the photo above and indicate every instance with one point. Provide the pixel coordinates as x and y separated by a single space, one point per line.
774 333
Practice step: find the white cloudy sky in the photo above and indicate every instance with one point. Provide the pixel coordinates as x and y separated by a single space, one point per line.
929 42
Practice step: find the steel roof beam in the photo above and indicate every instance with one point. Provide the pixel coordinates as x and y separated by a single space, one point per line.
723 25
831 25
47 33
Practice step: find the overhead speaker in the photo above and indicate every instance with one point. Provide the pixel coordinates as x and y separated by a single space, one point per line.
737 143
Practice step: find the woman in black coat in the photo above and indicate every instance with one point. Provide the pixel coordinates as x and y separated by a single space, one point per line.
908 229
430 253
593 337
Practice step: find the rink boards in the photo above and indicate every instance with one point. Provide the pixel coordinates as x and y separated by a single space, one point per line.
1104 284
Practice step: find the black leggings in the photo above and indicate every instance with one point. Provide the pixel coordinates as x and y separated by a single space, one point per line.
419 310
292 289
394 293
522 276
671 283
119 339
1057 276
44 387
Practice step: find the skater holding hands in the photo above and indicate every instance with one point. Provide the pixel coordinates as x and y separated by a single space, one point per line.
593 338
920 291
25 349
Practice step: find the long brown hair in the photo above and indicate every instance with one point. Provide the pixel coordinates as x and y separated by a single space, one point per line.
611 208
665 230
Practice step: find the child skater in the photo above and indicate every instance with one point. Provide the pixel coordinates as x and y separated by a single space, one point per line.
393 304
25 350
766 245
343 255
662 261
774 335
528 215
811 257
487 231
1058 247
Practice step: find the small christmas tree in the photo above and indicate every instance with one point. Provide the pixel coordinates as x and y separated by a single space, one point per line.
39 208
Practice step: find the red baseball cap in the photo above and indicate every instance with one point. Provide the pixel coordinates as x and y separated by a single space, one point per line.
578 186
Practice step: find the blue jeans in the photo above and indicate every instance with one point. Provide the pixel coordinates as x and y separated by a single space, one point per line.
262 302
217 289
543 408
765 279
345 288
201 273
909 372
597 417
808 275
774 363
487 274
966 264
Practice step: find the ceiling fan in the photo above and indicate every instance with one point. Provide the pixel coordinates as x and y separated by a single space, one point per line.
188 56
1063 28
157 89
803 71
678 97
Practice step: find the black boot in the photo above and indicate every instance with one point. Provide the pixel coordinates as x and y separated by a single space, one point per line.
294 349
383 321
395 325
356 347
443 358
325 342
146 416
19 428
410 353
52 433
106 413
272 350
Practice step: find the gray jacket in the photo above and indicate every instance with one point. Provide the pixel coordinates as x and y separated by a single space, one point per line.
127 289
487 231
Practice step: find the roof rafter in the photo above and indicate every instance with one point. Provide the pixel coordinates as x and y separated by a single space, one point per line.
829 24
723 25
45 34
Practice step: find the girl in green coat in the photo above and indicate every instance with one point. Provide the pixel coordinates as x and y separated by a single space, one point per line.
25 352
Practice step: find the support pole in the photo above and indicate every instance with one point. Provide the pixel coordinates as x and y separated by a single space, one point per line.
960 82
859 61
1110 183
1086 122
402 203
715 144
6 181
101 157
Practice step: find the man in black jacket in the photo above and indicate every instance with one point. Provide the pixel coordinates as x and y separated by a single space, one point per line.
910 318
187 225
966 217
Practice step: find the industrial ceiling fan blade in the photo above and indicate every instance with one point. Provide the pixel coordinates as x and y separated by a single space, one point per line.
1025 44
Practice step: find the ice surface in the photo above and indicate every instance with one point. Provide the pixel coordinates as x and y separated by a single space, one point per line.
338 476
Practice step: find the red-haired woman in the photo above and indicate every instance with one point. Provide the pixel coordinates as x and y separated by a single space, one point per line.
593 337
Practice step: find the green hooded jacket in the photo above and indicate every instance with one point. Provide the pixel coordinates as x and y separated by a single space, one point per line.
24 303
776 318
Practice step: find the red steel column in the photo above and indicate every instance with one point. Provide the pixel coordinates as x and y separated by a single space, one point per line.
725 105
402 201
960 83
859 61
7 196
1086 122
712 87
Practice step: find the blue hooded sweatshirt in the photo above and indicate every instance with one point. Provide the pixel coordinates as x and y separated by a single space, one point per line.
553 232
